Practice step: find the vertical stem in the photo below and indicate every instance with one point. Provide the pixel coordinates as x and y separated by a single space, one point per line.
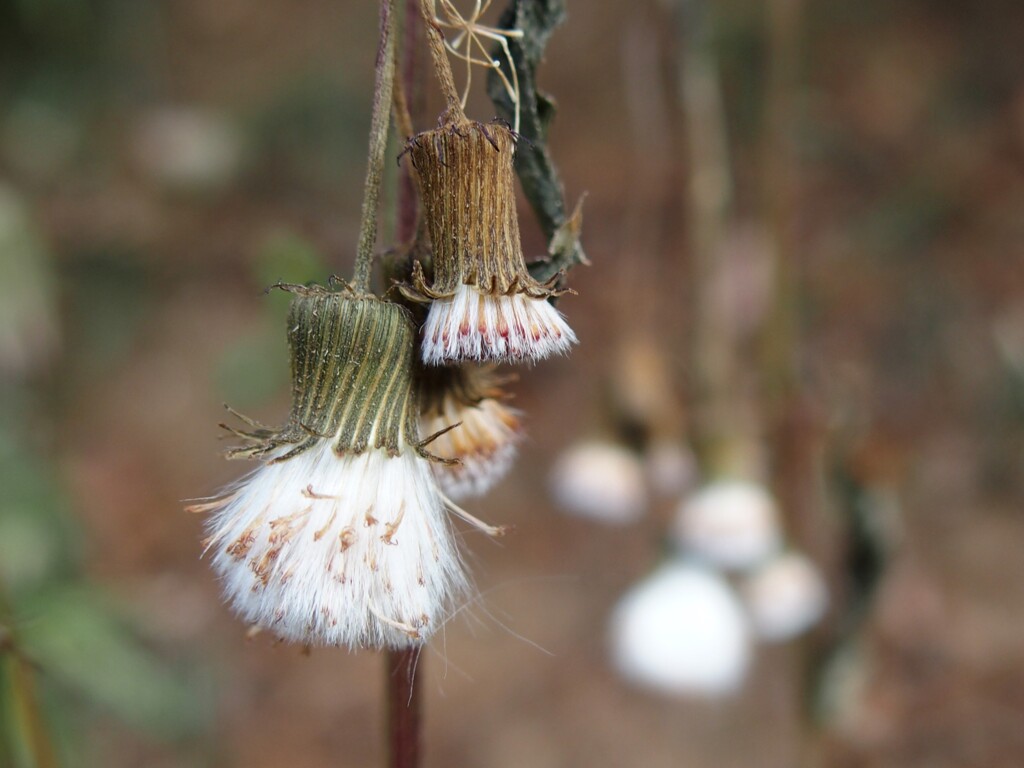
791 424
403 708
790 420
649 184
442 67
380 125
779 190
403 666
709 206
412 59
408 102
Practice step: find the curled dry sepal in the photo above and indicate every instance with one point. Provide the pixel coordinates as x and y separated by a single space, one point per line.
341 536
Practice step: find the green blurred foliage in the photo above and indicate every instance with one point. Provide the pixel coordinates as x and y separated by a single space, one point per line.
68 653
311 135
75 634
36 532
254 369
286 257
109 296
27 289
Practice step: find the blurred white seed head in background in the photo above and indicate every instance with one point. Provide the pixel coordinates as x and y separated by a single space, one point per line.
730 524
682 631
785 597
601 481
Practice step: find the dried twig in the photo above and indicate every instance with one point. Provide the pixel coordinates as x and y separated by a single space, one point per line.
537 20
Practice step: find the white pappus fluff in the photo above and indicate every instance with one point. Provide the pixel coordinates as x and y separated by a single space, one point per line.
352 550
785 597
682 631
485 443
475 326
729 523
601 481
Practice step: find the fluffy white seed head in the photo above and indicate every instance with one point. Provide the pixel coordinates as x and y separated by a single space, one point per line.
484 442
504 328
730 524
601 481
350 550
785 597
681 631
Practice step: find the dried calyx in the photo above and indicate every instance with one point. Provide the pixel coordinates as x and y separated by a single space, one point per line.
485 305
351 363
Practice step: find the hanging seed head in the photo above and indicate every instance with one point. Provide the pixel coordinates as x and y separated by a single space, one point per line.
785 597
341 537
731 524
600 480
486 306
682 631
465 407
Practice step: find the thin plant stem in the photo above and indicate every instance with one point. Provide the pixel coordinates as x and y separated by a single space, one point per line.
408 99
402 666
26 709
412 59
791 423
709 211
403 117
403 708
779 193
380 127
442 67
648 187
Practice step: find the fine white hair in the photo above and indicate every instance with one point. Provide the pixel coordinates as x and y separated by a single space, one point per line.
472 325
349 550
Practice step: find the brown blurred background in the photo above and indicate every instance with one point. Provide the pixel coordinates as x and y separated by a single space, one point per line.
162 162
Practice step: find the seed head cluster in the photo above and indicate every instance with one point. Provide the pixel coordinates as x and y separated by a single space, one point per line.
343 534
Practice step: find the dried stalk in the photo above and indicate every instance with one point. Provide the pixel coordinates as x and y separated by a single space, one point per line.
442 67
380 127
403 708
709 209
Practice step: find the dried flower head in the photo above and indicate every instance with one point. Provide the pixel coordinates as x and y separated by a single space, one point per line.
341 537
485 305
466 408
